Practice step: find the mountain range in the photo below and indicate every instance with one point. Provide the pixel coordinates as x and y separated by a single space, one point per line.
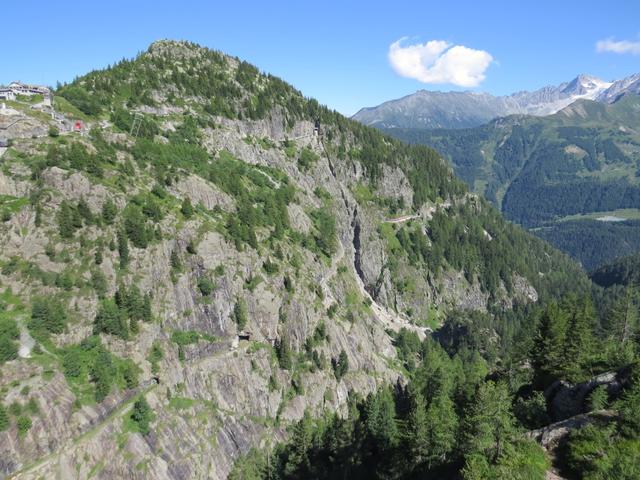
200 267
206 275
432 109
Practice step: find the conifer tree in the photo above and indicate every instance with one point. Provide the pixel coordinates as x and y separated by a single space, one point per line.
548 348
489 424
142 415
417 432
443 425
4 418
123 249
579 340
187 208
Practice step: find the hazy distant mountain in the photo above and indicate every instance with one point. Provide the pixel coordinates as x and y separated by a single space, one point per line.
428 109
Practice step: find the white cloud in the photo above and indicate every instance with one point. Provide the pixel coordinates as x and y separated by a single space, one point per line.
622 46
437 61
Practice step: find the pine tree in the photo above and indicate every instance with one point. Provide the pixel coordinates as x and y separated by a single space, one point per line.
298 464
142 415
240 314
109 211
4 418
67 224
84 211
548 348
623 320
187 208
380 411
123 249
417 432
283 352
629 406
341 365
443 425
579 339
110 319
489 424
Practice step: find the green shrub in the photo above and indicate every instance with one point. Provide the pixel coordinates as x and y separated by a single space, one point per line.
24 425
142 415
206 286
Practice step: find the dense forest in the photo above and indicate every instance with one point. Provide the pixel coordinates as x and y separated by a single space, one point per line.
623 271
469 403
593 243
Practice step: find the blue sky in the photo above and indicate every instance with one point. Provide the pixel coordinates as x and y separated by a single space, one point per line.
334 51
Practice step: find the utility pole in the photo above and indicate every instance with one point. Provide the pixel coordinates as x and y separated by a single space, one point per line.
135 125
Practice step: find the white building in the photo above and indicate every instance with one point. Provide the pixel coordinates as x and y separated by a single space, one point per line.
19 88
7 94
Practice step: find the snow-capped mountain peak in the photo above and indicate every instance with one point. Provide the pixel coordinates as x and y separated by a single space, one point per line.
431 109
586 86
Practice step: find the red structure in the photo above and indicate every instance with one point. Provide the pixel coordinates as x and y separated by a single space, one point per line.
78 126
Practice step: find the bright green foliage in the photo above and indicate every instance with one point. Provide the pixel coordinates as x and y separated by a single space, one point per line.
443 425
129 305
565 345
81 99
579 341
254 466
629 406
146 127
89 360
417 431
133 304
523 460
489 424
598 398
596 452
99 282
24 425
142 415
307 159
408 347
260 203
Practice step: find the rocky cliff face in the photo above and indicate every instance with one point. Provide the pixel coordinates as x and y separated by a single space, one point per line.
332 281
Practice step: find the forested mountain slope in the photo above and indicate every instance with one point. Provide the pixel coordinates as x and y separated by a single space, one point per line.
200 265
543 172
